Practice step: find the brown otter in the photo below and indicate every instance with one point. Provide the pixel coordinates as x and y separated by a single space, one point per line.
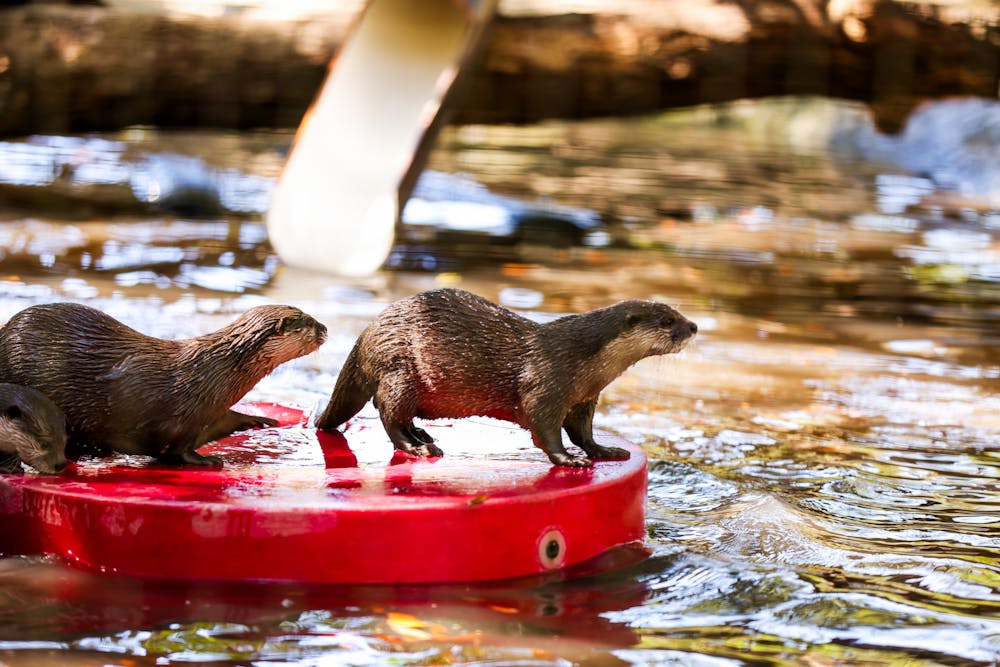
449 353
32 429
137 394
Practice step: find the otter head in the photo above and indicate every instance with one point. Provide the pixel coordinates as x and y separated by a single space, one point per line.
289 333
32 428
655 328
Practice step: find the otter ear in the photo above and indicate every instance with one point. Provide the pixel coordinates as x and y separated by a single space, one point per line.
13 412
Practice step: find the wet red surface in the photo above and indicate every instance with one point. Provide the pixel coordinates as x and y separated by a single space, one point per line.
294 504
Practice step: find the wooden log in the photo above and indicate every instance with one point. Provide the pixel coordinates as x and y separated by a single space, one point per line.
77 69
891 55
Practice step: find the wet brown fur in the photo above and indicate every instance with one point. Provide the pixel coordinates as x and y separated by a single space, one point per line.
133 393
32 430
450 353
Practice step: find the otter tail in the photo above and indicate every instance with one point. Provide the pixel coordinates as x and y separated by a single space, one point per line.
349 395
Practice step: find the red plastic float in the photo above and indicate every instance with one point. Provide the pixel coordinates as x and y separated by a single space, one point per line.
295 504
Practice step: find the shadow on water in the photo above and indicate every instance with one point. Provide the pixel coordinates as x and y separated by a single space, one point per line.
823 483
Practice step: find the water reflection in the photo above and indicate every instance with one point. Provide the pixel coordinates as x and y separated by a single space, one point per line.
823 486
953 143
752 211
289 624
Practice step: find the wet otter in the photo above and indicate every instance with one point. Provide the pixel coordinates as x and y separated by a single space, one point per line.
32 429
449 353
136 394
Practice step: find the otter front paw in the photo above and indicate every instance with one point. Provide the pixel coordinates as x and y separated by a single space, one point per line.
190 457
602 453
253 421
194 458
570 461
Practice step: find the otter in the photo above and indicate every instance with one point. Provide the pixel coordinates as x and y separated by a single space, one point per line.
32 430
123 390
450 353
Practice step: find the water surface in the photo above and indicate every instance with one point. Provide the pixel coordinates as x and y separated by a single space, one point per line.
823 479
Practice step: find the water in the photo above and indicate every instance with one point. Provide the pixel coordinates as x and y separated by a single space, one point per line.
823 481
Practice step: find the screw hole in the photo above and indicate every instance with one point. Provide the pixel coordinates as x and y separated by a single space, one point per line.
551 547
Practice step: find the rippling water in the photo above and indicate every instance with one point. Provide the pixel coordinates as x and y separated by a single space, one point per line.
824 481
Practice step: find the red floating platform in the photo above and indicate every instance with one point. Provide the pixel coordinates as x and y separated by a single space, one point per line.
295 504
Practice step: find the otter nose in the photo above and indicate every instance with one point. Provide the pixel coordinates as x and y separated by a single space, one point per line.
59 467
321 331
693 327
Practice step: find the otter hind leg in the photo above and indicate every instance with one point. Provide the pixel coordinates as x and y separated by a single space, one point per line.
397 409
579 425
405 440
422 443
419 435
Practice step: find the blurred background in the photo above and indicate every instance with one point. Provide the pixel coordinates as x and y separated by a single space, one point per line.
816 183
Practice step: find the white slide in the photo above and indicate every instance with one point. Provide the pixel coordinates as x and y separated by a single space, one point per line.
338 199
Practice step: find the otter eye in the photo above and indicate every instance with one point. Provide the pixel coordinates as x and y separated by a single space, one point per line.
631 320
667 322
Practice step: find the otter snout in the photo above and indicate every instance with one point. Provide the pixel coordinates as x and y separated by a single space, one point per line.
682 333
318 336
48 465
320 332
309 327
